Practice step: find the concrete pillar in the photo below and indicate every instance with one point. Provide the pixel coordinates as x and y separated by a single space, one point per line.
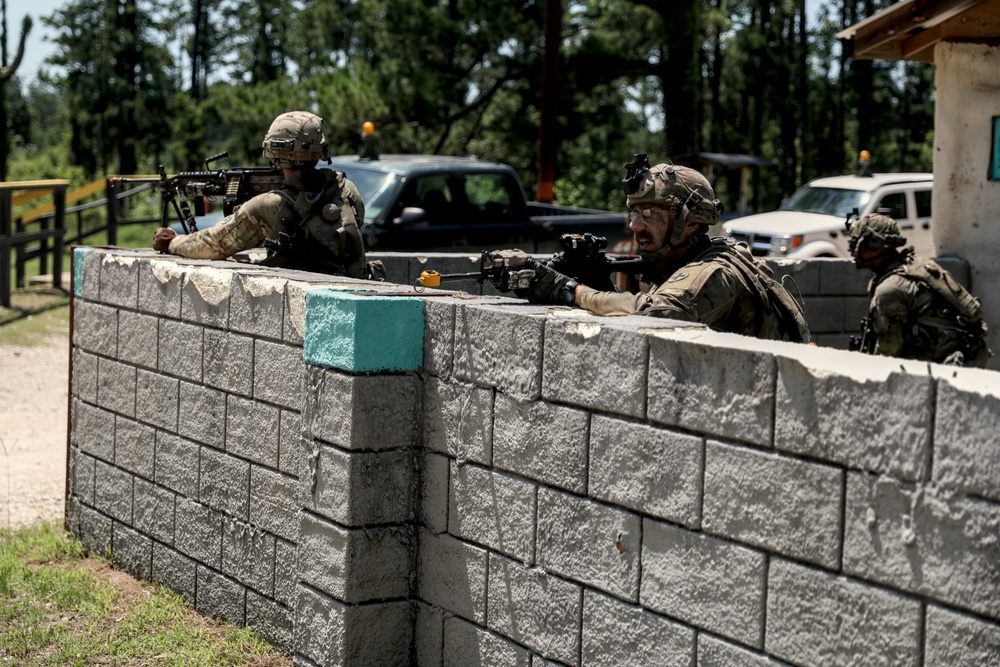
966 202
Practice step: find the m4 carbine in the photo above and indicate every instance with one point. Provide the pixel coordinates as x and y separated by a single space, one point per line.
183 196
582 258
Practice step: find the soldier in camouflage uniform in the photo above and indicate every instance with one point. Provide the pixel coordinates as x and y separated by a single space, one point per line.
696 279
315 214
917 309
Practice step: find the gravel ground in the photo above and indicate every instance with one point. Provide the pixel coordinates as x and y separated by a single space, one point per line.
34 385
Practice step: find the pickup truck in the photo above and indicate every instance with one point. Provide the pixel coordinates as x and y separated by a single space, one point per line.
436 203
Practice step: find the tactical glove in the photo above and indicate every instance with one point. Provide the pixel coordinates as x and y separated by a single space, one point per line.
550 286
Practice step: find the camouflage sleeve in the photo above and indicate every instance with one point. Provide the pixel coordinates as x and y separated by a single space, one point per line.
357 201
246 228
889 311
696 293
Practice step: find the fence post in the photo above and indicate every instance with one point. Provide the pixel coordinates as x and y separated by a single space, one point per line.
59 203
5 239
112 198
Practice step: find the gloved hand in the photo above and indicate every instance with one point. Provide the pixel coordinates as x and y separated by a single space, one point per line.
162 238
549 286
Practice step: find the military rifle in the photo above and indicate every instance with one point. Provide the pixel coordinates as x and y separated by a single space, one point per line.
183 195
582 258
865 341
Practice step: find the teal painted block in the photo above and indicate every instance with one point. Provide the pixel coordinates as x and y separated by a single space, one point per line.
363 334
78 256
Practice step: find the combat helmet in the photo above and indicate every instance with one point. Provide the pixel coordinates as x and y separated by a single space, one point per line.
682 188
877 230
295 139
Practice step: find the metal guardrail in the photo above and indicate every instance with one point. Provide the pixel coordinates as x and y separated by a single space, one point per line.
51 235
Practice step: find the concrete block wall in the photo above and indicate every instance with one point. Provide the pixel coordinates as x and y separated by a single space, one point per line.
547 488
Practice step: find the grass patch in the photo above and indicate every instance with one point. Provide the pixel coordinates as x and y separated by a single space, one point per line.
60 605
33 318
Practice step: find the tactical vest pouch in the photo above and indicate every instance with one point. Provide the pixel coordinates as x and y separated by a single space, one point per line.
945 286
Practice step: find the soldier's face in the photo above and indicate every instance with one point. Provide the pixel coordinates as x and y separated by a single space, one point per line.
650 225
865 256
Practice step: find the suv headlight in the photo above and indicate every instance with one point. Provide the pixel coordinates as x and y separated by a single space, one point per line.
786 243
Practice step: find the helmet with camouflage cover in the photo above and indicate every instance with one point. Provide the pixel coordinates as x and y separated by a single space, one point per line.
877 230
685 191
295 140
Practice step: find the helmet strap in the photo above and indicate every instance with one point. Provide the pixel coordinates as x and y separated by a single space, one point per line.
693 199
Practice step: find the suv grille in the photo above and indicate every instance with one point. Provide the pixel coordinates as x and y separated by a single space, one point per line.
760 244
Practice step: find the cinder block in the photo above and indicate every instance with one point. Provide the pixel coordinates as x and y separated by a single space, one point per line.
271 620
257 305
286 572
718 384
132 551
960 270
84 376
229 362
432 508
137 336
181 349
615 634
358 565
535 609
817 618
86 273
652 470
95 328
156 399
593 365
94 430
360 488
467 644
176 464
863 412
95 530
252 430
397 266
541 441
855 309
960 639
458 420
293 325
153 510
799 276
494 510
428 635
134 447
175 571
363 333
452 575
707 582
500 348
439 336
274 502
116 387
224 482
81 475
119 280
714 652
202 414
590 543
374 412
277 374
291 444
199 532
780 504
926 541
248 555
825 314
220 597
113 492
331 633
968 408
205 296
160 288
837 341
841 277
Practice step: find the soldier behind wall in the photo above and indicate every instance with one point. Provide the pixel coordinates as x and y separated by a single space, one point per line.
917 310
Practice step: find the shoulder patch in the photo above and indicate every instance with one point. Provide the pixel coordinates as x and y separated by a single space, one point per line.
677 277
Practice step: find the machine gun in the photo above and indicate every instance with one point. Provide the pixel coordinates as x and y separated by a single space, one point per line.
865 341
582 258
183 195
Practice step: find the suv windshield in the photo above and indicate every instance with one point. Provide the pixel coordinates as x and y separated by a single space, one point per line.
374 186
828 201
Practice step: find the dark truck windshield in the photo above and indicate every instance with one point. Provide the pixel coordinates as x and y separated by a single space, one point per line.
374 186
828 201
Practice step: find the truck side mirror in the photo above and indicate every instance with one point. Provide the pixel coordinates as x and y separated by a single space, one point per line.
410 215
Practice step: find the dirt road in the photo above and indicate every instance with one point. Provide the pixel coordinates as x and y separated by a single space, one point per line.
33 404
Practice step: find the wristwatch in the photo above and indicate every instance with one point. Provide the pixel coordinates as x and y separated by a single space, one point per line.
567 293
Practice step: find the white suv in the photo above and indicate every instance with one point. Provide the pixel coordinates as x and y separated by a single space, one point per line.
810 223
